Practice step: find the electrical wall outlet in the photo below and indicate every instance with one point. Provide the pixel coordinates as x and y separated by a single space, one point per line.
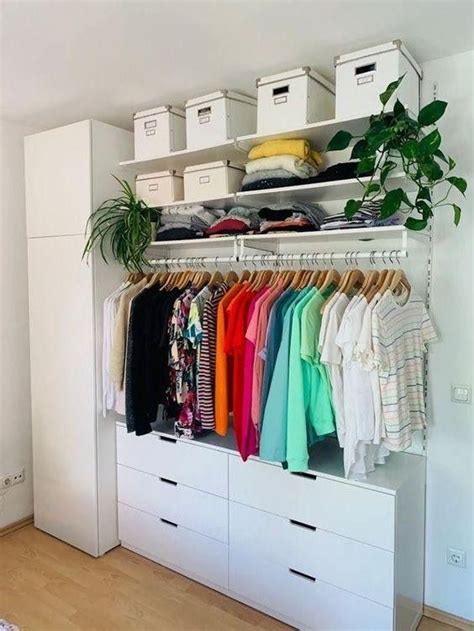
456 557
10 479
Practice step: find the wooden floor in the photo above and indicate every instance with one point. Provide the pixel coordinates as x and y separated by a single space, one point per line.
47 585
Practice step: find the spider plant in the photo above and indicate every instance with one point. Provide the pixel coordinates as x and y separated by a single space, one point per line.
121 229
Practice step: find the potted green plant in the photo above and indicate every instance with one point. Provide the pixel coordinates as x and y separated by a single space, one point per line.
398 140
122 228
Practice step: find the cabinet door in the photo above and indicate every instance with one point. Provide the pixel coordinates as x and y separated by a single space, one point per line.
58 180
63 391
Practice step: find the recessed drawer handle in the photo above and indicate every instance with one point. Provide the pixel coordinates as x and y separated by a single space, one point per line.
307 577
167 521
300 524
310 476
168 439
166 481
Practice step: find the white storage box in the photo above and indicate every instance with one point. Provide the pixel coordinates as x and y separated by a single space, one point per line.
212 180
159 189
293 99
159 131
362 76
218 117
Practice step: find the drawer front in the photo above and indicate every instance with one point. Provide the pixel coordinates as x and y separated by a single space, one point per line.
294 595
193 509
174 545
342 508
167 457
356 567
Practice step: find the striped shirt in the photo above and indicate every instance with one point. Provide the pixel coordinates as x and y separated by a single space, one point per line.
207 358
400 335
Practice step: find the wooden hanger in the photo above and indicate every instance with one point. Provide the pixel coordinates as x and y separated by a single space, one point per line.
244 275
354 281
231 278
216 279
399 278
370 280
332 277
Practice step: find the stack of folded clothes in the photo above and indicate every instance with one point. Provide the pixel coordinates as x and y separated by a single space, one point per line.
186 222
291 217
238 220
367 216
341 171
280 163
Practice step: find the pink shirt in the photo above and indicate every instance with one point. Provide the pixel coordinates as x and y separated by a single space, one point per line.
258 362
249 437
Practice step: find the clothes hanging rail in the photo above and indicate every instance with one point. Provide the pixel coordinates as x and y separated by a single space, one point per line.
350 257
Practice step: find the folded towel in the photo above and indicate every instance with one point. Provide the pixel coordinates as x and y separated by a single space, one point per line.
290 163
296 147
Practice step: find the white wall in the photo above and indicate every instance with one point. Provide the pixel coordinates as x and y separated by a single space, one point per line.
15 415
450 482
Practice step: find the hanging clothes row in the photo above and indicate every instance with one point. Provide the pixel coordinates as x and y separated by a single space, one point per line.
288 358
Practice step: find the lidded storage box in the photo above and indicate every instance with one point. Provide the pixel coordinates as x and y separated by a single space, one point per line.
159 131
159 189
211 180
363 75
218 117
293 99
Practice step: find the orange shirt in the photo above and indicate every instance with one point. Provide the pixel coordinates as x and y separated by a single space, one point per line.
223 381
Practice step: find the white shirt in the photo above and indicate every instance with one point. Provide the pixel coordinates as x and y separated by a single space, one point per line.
331 356
109 314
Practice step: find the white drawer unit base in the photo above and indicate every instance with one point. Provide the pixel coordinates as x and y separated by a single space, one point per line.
174 545
317 551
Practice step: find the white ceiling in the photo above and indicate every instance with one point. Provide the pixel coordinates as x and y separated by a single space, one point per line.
68 60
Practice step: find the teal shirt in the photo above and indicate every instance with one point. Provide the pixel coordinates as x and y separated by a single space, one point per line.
274 433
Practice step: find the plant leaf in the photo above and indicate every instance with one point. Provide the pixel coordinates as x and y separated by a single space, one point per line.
366 166
423 193
391 203
431 170
429 144
457 214
439 154
409 149
451 163
339 141
372 188
458 182
431 113
398 108
390 89
360 150
385 171
424 209
352 206
416 224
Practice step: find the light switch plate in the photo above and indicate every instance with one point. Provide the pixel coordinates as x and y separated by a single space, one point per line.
461 394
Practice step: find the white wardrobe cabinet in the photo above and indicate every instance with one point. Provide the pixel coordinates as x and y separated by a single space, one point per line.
67 173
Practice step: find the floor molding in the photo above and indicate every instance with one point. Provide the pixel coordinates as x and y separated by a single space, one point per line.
448 618
26 521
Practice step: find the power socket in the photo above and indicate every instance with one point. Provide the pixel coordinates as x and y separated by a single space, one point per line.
456 557
6 481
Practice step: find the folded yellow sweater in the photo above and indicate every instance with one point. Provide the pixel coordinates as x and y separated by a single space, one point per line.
298 147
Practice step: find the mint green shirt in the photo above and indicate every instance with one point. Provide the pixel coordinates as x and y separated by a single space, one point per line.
274 432
310 415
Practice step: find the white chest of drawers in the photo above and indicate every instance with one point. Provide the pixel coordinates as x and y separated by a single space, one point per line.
313 550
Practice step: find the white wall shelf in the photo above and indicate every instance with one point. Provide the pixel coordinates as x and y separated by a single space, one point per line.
320 192
236 150
187 157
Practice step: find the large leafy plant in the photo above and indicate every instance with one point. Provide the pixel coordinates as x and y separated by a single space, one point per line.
397 140
122 228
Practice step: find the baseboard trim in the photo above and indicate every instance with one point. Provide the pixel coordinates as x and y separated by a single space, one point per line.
21 523
448 618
